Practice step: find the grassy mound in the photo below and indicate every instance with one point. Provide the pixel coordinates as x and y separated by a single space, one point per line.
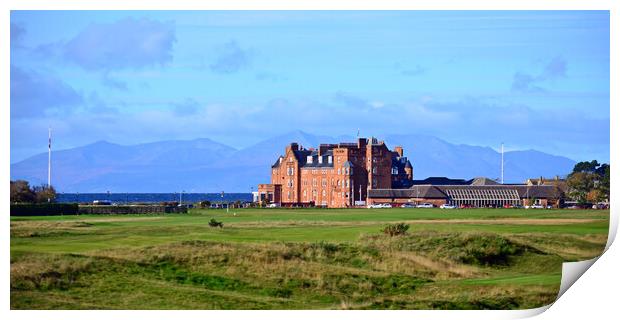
483 249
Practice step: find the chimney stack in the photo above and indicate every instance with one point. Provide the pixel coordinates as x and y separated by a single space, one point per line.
399 150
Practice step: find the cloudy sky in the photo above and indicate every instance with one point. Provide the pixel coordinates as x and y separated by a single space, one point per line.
535 80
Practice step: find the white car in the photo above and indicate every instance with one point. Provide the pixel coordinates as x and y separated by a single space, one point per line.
375 206
425 205
273 205
537 206
447 206
386 205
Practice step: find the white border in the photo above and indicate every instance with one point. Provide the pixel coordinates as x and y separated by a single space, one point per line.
594 294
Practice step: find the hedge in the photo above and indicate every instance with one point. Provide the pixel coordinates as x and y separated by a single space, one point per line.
43 209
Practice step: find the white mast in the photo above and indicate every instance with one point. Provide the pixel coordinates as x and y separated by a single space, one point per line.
49 158
502 179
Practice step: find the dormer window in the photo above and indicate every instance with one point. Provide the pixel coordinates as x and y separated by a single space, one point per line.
309 159
320 159
329 159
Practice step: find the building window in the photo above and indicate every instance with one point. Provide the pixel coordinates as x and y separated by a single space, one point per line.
323 193
347 183
339 183
347 169
324 182
289 195
394 170
374 170
338 170
323 171
329 159
309 159
313 182
290 171
314 171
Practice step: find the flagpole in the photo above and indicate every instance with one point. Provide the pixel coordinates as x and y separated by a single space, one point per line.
49 158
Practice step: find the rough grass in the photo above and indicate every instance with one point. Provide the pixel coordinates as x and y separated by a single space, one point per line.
179 262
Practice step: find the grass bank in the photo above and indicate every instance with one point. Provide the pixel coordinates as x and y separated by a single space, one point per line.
299 259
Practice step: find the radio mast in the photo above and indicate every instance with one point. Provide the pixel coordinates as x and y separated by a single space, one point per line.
502 166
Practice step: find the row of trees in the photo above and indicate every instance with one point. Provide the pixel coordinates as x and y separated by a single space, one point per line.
589 182
22 192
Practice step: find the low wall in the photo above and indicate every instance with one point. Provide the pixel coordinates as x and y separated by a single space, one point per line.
130 209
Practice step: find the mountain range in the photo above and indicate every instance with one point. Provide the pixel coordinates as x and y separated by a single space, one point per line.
204 165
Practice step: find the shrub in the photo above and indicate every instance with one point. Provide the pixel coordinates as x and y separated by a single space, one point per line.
214 223
43 209
396 229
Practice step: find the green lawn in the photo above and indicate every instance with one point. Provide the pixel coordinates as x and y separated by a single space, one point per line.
300 259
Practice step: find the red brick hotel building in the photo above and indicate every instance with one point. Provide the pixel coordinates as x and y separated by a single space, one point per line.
335 175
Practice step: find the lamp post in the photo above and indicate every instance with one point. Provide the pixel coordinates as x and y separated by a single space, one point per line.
181 197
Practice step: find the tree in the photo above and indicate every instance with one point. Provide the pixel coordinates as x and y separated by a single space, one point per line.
580 184
589 181
21 192
586 166
595 195
44 194
603 186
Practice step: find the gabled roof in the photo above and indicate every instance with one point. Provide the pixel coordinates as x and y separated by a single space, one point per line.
483 181
441 181
421 191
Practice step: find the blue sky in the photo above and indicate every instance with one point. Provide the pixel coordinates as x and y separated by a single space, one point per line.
533 80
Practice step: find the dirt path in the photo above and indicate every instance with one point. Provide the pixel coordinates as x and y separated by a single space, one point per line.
508 221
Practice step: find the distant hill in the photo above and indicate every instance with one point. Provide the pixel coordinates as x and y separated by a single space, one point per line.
203 165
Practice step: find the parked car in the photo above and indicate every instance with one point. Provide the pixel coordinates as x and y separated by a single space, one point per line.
447 206
375 206
273 205
407 205
425 205
386 205
536 206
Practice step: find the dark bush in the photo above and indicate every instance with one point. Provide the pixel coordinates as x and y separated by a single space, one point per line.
204 204
214 223
396 229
